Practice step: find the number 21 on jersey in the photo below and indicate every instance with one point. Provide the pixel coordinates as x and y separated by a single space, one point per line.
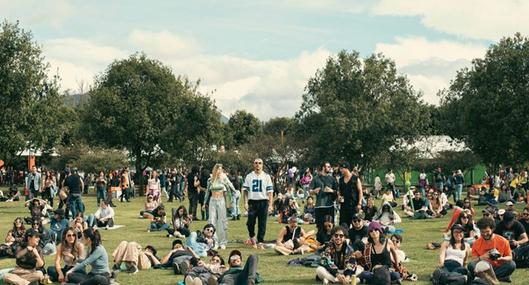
257 185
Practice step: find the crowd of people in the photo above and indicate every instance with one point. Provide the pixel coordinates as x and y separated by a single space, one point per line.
354 240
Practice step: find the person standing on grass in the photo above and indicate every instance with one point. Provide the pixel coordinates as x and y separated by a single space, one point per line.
219 189
258 201
324 186
75 184
350 194
101 184
193 182
33 183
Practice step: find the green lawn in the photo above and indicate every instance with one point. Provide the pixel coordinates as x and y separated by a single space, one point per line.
271 266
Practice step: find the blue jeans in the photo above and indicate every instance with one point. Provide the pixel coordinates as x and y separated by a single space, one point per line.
454 266
199 248
101 193
458 191
76 205
502 271
235 198
368 276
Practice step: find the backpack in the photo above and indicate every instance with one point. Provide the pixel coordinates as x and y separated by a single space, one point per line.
441 276
521 256
381 276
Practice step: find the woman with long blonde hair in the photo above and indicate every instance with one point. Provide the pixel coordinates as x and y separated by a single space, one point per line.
219 188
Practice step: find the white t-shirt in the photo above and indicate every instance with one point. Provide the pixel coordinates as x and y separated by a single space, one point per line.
258 186
390 178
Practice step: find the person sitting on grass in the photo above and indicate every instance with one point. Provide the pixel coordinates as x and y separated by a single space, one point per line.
289 240
357 232
455 253
149 207
46 241
397 242
386 216
29 260
308 211
370 210
379 258
134 257
14 239
202 241
79 224
36 208
158 220
58 224
181 221
103 217
324 234
417 207
436 207
204 273
493 249
97 259
237 274
70 250
387 197
338 263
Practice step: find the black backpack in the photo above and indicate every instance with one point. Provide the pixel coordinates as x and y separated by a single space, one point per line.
521 256
442 277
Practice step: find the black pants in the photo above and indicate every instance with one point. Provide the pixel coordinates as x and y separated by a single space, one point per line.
124 194
257 209
46 195
320 214
89 279
193 202
346 214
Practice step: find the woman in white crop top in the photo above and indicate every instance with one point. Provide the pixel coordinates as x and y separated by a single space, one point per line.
455 252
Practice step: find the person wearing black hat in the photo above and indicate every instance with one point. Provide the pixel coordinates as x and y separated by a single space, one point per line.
358 231
512 230
58 224
29 259
237 274
350 194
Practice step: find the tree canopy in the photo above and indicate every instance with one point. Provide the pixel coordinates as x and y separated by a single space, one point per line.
29 99
356 109
139 105
486 105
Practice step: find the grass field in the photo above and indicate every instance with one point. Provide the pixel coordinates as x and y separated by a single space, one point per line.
272 267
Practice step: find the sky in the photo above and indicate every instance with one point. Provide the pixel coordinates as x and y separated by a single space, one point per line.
259 55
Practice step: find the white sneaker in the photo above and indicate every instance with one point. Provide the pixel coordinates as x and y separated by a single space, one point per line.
325 281
222 246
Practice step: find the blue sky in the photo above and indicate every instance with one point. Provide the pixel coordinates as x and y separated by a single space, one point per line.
258 55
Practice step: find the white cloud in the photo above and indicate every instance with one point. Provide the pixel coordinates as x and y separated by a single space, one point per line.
78 60
52 12
475 19
430 65
267 88
163 44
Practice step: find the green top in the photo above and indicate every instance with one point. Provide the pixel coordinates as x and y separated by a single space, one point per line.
219 185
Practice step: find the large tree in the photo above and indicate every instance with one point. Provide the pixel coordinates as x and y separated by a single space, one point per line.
242 128
29 99
487 104
138 104
357 110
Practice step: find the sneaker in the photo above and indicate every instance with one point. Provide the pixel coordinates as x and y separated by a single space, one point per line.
133 269
260 246
250 242
505 279
176 268
325 281
115 267
222 247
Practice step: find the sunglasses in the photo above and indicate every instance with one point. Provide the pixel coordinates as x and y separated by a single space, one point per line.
395 241
209 230
257 162
70 235
339 235
464 217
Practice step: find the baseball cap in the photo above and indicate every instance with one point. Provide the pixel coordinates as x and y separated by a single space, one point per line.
508 216
32 233
509 204
234 253
501 212
457 227
345 165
